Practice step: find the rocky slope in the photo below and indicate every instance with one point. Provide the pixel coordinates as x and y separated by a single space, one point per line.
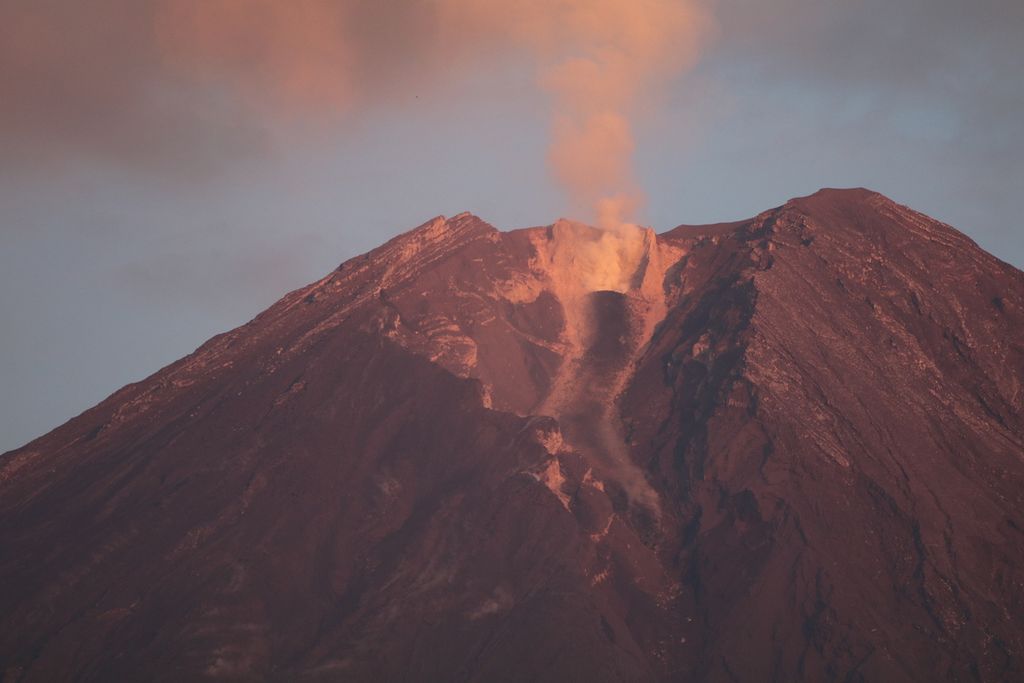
790 448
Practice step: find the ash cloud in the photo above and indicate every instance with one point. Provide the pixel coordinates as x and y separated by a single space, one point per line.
186 86
193 83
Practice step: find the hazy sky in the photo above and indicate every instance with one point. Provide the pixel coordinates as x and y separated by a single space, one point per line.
169 168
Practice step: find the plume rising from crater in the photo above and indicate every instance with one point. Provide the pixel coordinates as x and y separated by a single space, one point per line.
610 283
146 66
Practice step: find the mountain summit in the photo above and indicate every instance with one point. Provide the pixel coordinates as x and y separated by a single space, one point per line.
788 448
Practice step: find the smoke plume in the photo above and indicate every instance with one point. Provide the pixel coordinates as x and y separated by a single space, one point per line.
147 79
603 61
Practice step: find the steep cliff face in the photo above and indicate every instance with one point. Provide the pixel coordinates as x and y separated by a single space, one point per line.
790 448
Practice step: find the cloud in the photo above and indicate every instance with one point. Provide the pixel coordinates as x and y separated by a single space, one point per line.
87 80
193 84
943 55
186 86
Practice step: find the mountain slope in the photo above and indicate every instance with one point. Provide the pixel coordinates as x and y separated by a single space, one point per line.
845 433
790 448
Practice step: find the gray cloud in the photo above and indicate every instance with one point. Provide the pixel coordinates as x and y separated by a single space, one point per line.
189 86
939 63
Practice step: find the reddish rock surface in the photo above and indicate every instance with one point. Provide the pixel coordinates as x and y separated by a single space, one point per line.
790 448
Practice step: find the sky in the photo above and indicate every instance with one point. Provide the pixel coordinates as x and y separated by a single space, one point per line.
169 168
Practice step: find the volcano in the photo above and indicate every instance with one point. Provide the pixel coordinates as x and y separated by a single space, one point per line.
788 448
